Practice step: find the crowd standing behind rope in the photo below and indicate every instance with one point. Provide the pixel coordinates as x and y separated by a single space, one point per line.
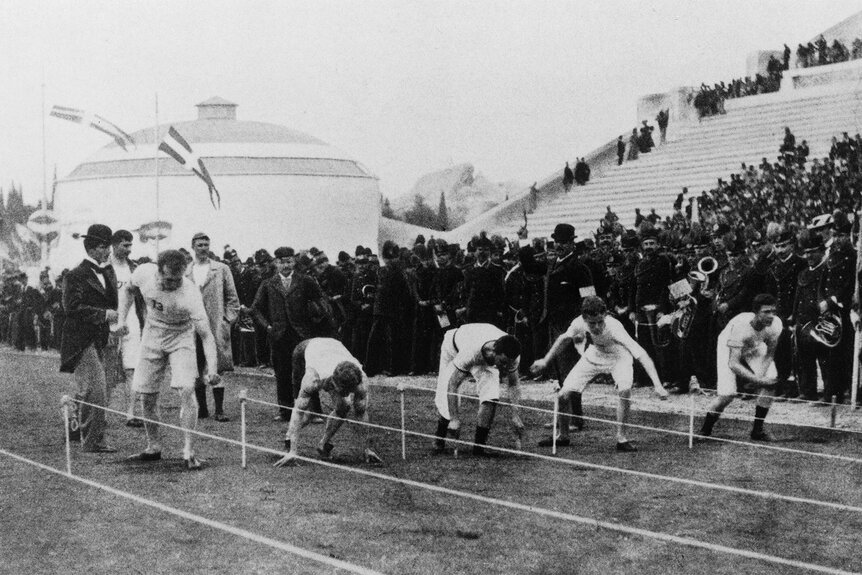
673 283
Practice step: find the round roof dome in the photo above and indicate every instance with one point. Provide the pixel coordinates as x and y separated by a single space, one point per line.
229 146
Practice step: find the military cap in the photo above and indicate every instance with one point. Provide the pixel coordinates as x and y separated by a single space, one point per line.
820 222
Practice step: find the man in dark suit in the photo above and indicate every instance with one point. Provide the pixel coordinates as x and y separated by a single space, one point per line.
567 281
284 306
483 287
90 301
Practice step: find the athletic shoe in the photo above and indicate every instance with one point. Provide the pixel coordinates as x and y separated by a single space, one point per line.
761 436
549 442
626 447
194 464
134 422
221 417
145 456
326 452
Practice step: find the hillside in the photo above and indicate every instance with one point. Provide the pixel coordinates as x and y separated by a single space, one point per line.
468 193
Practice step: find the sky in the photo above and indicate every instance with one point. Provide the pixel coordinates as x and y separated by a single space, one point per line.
515 88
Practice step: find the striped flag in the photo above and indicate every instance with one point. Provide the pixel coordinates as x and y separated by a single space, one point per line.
176 147
94 121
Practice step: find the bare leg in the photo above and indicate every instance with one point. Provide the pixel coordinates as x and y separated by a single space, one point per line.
130 394
188 418
623 408
150 402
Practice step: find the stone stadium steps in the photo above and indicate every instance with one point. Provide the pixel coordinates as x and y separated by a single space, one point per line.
698 154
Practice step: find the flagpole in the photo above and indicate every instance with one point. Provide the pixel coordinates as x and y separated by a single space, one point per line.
156 162
43 240
857 336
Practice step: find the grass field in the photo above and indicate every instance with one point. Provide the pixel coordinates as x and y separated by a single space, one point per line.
52 524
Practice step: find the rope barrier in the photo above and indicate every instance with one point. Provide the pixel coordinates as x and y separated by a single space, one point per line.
689 435
547 512
643 401
227 528
580 463
697 410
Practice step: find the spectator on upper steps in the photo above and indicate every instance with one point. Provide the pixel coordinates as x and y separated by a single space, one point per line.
568 178
582 172
645 142
662 121
621 150
639 218
633 146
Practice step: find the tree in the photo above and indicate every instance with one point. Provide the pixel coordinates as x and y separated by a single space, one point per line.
421 214
442 213
386 210
15 208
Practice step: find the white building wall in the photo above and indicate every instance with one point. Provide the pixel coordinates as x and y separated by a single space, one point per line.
331 213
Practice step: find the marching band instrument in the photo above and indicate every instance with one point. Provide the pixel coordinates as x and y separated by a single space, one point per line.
660 337
368 291
707 266
683 318
827 330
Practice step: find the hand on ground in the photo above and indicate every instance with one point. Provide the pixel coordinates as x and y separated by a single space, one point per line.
372 457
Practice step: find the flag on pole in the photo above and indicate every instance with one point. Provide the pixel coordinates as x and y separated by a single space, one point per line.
178 148
94 121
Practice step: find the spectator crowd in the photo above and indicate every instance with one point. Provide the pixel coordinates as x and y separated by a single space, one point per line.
781 227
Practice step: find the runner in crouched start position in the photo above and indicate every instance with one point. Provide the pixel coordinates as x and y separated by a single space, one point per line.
488 354
609 349
324 364
746 355
174 314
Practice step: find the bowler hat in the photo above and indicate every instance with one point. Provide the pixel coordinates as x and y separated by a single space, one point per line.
563 233
483 242
649 234
284 252
200 236
262 256
343 257
100 233
390 250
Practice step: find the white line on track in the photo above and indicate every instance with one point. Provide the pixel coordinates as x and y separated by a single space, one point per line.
332 562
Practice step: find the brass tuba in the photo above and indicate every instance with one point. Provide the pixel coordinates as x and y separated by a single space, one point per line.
827 330
660 337
683 318
706 266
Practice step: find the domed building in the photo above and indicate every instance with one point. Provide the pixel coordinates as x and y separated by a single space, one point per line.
278 187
